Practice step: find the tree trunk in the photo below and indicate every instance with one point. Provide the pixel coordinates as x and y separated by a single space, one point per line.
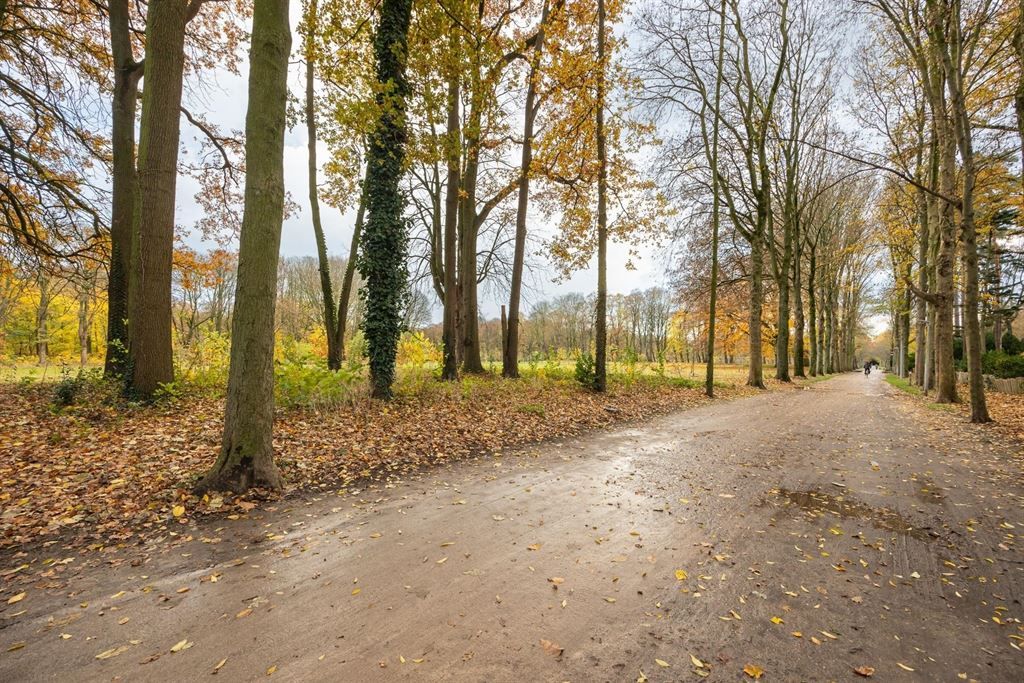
149 310
122 195
798 312
601 321
812 332
350 274
709 377
247 451
510 339
42 313
755 374
83 328
382 262
968 233
450 327
324 264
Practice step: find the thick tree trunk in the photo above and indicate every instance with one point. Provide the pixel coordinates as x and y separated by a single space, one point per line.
450 326
247 451
798 313
382 262
122 195
149 310
601 321
968 233
945 378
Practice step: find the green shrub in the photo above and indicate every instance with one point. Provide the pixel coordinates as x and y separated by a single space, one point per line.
67 389
302 380
585 370
1002 365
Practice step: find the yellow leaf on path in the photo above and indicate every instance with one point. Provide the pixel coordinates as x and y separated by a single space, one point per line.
178 510
244 613
442 560
797 634
609 599
535 546
16 646
777 620
904 666
16 598
830 636
865 671
661 662
375 534
271 670
681 575
113 652
219 665
357 591
696 662
182 645
557 580
753 670
123 621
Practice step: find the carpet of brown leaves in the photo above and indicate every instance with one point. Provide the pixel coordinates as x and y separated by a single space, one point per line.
103 475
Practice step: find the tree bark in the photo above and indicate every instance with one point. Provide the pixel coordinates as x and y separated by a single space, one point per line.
247 452
755 374
812 315
149 310
323 262
450 331
709 375
510 345
350 272
968 232
601 321
122 196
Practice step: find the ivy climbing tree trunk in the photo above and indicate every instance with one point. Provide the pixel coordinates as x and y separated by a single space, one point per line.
122 192
385 242
247 454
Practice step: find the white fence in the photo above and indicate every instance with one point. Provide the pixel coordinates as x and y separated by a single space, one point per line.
1014 385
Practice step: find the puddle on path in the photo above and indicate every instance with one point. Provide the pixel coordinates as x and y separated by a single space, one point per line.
817 503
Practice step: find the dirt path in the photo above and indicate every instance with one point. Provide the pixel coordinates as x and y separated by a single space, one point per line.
816 531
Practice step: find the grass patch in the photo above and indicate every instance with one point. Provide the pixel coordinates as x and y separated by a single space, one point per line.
903 384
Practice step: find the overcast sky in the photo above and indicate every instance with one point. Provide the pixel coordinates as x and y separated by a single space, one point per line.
224 103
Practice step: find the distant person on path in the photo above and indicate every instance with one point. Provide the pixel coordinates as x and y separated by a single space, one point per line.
867 367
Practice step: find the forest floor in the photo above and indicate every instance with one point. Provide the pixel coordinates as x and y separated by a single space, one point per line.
100 475
835 532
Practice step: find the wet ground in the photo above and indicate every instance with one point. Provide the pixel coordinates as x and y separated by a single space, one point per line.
823 534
